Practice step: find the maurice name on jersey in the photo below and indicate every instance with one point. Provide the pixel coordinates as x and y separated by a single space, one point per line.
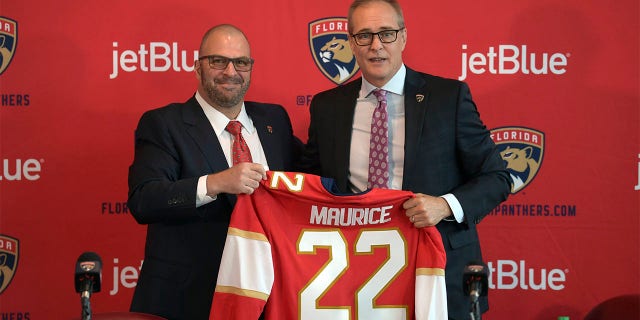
349 216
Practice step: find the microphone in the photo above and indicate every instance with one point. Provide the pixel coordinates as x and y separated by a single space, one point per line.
88 278
475 280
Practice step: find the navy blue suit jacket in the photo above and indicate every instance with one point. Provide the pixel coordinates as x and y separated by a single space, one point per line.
447 150
174 146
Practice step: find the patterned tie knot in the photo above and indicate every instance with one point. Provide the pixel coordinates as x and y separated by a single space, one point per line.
381 95
234 127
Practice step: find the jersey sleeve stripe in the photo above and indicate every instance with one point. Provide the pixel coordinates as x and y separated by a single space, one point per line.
247 234
430 271
242 292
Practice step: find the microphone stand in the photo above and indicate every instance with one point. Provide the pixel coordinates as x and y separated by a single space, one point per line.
85 303
475 313
475 310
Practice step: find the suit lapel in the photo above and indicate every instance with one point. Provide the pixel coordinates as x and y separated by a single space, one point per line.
416 97
344 110
268 139
199 128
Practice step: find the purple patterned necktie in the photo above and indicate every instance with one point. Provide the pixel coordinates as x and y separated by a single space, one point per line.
379 146
240 150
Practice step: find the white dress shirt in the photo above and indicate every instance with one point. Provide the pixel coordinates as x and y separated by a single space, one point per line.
219 122
361 133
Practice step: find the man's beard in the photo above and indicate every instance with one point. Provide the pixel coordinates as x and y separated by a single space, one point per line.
220 96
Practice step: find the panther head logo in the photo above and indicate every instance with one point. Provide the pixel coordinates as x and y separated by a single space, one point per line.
337 52
329 44
521 149
8 41
521 165
9 253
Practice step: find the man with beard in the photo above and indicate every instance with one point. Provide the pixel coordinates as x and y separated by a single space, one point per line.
185 175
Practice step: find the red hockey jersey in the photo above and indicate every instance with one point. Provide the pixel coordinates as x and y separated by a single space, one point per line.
303 253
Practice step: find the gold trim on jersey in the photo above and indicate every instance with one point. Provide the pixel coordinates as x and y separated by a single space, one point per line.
242 292
430 272
247 234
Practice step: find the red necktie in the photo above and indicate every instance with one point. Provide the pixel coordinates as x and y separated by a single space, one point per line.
379 144
240 148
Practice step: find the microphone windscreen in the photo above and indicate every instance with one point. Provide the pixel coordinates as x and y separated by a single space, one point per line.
88 272
475 272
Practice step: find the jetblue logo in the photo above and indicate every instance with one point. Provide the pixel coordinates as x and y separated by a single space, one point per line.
510 275
329 44
154 57
18 169
512 59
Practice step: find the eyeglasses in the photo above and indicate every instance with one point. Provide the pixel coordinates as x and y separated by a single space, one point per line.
221 63
385 36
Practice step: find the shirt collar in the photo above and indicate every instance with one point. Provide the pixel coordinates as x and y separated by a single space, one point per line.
395 85
219 121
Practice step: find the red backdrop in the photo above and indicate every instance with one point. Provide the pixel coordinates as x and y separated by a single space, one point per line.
556 80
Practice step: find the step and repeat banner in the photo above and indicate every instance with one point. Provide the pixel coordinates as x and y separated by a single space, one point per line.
556 82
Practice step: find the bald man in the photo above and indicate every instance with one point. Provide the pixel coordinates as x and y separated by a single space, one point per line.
183 181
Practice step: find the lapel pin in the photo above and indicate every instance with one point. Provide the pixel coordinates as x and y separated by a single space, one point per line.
419 97
270 129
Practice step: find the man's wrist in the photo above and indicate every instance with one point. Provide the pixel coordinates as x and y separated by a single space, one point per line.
456 209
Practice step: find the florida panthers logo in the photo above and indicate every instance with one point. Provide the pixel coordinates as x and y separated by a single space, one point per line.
8 260
8 41
522 149
329 44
